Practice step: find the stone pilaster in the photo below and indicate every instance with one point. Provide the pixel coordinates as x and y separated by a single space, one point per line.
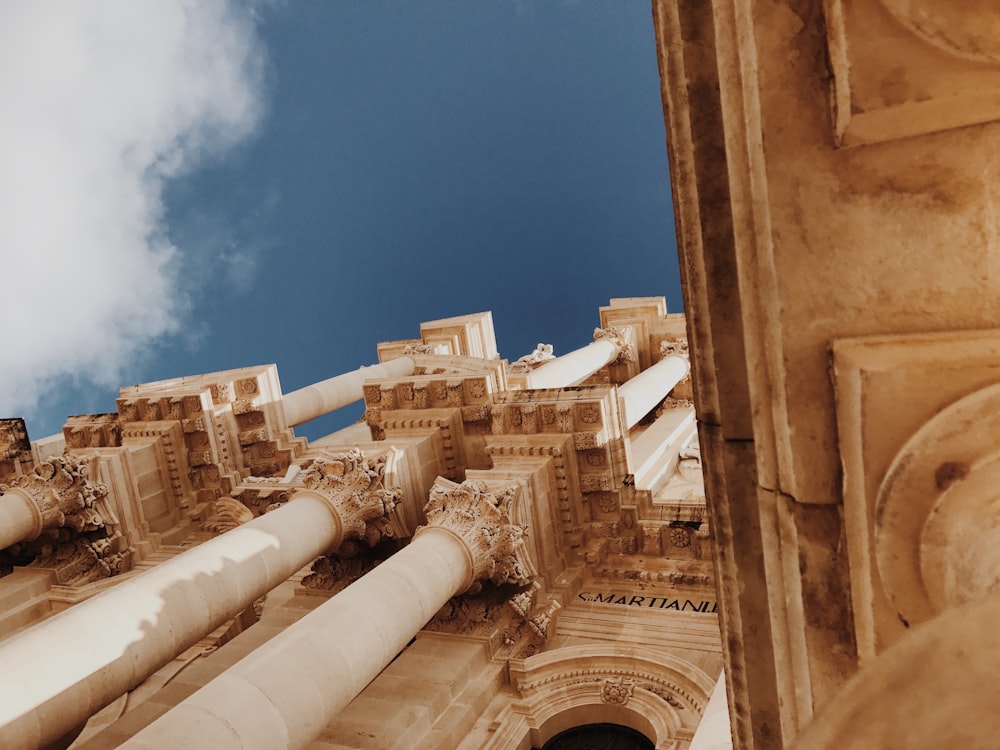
483 520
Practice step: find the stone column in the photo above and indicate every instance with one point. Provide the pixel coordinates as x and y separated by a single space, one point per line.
58 673
640 394
329 395
713 732
285 692
57 493
573 368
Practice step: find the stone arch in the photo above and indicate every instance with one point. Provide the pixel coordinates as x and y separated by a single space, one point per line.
654 692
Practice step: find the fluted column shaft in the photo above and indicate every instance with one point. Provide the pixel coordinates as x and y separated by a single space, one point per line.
59 672
640 394
331 394
283 694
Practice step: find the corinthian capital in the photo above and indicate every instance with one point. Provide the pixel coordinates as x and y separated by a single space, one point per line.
354 487
623 338
484 519
61 493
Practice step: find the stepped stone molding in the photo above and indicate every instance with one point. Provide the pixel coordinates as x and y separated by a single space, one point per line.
486 521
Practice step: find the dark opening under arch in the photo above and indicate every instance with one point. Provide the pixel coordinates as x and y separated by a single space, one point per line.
598 737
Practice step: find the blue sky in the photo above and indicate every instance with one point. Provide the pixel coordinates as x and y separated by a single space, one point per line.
371 165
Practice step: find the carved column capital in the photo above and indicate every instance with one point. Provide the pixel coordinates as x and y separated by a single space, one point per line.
484 519
60 491
354 487
623 338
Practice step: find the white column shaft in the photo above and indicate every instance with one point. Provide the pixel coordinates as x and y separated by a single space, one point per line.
649 387
19 518
329 395
575 367
714 732
58 673
655 451
283 694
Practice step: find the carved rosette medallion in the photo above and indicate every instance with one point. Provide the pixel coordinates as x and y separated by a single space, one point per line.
354 487
483 518
617 690
622 338
60 491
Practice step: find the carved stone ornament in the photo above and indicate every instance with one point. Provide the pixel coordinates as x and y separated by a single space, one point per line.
676 346
483 517
617 690
228 513
60 491
419 349
622 338
354 486
542 353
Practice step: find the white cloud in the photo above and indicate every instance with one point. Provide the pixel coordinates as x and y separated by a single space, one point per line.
101 101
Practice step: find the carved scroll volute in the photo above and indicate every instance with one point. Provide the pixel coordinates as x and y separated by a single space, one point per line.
60 490
484 519
354 487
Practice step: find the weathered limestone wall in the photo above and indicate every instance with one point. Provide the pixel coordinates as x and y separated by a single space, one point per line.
834 167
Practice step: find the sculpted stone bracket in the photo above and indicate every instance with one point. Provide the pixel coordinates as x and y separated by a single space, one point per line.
908 67
489 522
917 426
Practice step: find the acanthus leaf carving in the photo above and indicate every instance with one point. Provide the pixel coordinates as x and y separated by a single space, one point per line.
483 518
354 487
622 338
60 489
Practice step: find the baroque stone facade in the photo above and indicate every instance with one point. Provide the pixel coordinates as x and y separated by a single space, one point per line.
478 569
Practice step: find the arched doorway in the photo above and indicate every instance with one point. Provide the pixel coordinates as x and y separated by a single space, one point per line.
599 737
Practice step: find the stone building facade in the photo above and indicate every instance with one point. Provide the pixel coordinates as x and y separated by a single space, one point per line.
834 166
500 552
